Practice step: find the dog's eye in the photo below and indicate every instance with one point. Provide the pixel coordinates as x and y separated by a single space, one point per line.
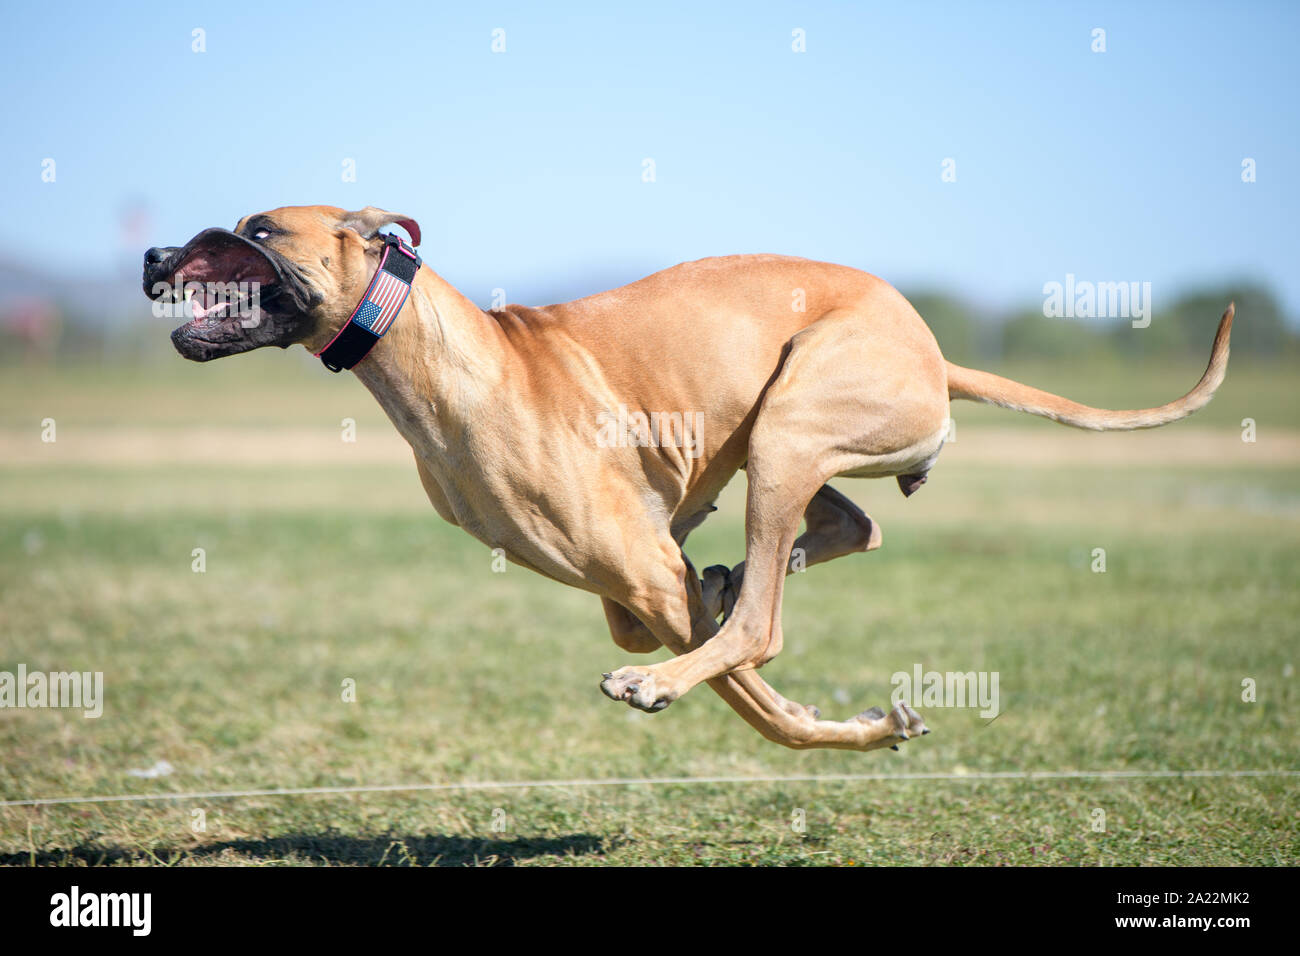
262 234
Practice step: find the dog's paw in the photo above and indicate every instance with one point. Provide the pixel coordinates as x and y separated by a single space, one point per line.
636 687
900 724
713 585
915 725
721 588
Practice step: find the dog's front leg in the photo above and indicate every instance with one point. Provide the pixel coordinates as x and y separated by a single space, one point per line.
782 721
627 629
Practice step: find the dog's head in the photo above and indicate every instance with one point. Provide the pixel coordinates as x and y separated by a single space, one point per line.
278 278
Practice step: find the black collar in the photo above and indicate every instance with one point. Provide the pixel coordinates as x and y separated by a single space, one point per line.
378 308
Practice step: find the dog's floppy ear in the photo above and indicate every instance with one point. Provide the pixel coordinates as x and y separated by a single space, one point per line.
368 221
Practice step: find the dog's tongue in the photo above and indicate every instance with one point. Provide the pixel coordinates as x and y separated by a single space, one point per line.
217 258
200 308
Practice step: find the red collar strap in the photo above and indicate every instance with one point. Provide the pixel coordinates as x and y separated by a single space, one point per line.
378 308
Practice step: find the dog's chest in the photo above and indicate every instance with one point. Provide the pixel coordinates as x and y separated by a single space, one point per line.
507 515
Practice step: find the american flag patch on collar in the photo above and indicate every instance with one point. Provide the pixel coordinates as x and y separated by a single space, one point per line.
378 308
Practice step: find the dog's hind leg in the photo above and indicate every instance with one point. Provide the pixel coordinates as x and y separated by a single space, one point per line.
841 404
835 527
631 634
799 727
783 721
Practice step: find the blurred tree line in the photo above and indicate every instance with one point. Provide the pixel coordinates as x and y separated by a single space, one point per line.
1178 331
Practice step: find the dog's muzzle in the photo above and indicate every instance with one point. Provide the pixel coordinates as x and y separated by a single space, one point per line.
236 294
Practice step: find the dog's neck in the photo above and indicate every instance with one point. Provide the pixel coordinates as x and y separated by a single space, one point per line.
440 360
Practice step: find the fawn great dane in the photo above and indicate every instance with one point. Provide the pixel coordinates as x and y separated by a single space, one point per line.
796 371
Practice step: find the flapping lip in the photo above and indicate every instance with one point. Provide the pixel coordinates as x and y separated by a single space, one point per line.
238 294
216 272
221 256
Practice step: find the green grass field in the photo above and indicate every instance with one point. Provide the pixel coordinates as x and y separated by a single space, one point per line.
463 675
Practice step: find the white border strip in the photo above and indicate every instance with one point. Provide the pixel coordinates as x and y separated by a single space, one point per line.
673 781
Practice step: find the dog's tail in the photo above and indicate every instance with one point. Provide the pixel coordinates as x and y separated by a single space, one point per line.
977 386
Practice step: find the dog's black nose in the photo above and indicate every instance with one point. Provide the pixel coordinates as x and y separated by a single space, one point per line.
154 260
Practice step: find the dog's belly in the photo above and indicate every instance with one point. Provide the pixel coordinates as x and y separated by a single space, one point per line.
914 460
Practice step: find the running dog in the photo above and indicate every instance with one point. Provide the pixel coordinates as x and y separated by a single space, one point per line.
797 371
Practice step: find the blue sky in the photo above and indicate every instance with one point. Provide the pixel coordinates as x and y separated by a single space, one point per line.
525 167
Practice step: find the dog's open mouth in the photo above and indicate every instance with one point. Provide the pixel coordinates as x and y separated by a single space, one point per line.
233 293
222 277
